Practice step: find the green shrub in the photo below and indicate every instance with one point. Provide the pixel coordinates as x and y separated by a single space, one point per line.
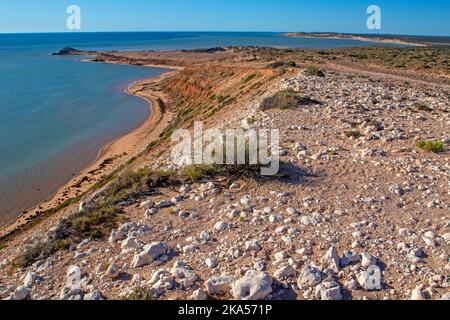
139 294
93 224
353 134
30 256
199 172
231 171
131 183
286 99
431 146
241 171
284 64
314 72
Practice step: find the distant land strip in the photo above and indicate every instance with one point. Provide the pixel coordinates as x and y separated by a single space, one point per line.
387 38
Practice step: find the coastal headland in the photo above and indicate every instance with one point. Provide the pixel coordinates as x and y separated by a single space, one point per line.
359 210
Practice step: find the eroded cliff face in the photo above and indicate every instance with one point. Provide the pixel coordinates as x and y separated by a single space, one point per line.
199 92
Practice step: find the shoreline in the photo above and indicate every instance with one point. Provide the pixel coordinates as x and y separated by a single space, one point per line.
354 37
110 156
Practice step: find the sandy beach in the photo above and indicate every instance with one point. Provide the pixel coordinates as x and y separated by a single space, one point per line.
110 157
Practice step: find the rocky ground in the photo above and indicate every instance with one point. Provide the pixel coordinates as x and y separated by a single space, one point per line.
361 213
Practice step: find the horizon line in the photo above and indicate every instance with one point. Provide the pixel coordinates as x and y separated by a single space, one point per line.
222 31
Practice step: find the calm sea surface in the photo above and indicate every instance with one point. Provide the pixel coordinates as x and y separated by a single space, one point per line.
57 112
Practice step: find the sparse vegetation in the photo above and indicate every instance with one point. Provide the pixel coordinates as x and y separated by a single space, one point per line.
139 294
353 134
415 58
133 183
199 172
94 223
422 107
250 77
244 171
286 99
224 101
429 59
97 221
33 254
284 64
314 72
231 171
431 146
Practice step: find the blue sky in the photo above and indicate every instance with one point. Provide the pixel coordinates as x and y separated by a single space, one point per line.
424 17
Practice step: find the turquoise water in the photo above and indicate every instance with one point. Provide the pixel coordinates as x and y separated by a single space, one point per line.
57 112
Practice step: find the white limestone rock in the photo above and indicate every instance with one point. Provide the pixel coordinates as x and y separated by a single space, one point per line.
149 204
218 285
310 277
183 274
253 286
417 294
199 295
221 226
370 280
284 273
368 260
150 253
129 244
328 290
21 293
31 278
112 271
116 235
253 245
331 259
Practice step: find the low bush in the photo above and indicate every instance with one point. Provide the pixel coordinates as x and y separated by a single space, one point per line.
314 72
93 224
199 172
353 134
284 64
431 146
286 99
139 294
132 183
30 255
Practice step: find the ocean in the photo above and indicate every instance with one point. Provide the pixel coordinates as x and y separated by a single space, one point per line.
56 113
